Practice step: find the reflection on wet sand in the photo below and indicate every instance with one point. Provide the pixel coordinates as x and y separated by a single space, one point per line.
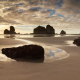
30 60
10 36
44 35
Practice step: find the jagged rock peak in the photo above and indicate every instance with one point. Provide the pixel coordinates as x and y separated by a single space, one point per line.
63 32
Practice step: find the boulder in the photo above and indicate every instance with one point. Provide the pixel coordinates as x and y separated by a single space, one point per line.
40 30
77 42
50 29
62 32
26 52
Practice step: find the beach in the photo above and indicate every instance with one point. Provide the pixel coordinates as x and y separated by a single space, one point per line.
66 68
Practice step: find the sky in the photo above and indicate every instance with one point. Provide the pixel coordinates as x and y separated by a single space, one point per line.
25 15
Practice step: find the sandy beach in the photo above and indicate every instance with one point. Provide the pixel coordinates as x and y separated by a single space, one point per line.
62 69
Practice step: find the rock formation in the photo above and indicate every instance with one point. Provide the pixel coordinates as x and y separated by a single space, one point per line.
77 41
6 31
50 30
24 52
62 32
42 30
11 31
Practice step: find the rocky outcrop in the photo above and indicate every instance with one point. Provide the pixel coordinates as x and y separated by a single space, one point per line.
62 32
77 41
6 31
26 52
50 29
42 30
11 31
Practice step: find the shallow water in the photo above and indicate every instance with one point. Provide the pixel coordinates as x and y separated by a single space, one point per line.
52 53
70 43
30 35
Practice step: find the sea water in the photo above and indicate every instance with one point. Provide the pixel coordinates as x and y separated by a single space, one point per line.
31 35
52 53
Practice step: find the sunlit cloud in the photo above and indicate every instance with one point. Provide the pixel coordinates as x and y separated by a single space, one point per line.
61 14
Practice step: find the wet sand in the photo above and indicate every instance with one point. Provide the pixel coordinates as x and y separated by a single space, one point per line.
64 69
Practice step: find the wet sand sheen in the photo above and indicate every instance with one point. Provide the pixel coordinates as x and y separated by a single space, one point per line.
64 69
51 53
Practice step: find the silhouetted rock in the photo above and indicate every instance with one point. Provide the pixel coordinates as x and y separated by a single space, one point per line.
77 42
40 30
26 52
62 32
50 29
6 31
12 30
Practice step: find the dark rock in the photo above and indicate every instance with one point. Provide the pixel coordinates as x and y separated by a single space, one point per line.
50 29
77 42
62 32
6 31
12 30
26 51
40 30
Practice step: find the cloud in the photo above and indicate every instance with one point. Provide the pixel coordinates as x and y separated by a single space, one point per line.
37 12
74 4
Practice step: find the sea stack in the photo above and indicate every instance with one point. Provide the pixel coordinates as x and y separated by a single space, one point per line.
11 31
42 30
50 29
6 31
62 32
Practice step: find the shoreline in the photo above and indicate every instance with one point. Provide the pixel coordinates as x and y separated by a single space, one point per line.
48 57
64 69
